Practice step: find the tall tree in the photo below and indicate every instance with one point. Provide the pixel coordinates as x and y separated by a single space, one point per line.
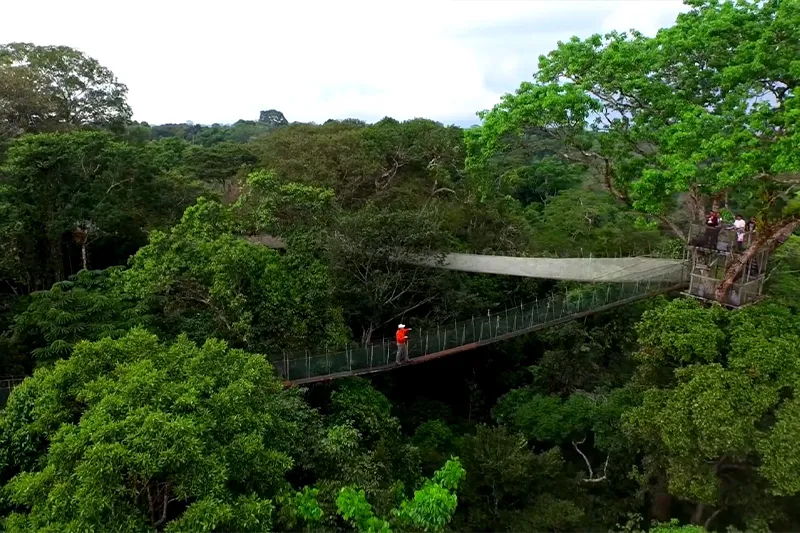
135 435
48 87
202 279
720 413
389 161
704 112
368 250
82 187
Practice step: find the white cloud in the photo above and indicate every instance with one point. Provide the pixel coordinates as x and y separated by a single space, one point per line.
221 61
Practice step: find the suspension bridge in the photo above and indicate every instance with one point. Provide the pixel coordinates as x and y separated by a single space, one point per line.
616 282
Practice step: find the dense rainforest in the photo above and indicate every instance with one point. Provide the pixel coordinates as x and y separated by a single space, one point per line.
142 297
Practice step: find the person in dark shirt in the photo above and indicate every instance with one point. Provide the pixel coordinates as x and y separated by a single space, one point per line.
712 229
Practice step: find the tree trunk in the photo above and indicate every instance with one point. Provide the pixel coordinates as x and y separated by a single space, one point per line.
84 256
769 239
662 501
366 334
675 229
697 516
57 260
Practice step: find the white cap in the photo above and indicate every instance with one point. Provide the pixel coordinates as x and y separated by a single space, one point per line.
401 326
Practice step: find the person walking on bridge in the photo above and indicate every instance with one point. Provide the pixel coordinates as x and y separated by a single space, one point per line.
402 343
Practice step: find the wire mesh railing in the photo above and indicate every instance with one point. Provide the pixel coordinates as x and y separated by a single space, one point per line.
7 384
475 331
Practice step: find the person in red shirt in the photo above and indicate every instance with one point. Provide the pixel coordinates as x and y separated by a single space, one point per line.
402 343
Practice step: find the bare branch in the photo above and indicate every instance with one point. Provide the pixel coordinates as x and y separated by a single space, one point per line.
675 229
591 478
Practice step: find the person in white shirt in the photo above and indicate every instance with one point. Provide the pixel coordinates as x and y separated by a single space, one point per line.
739 225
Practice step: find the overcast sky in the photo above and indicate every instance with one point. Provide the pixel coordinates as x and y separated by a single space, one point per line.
222 60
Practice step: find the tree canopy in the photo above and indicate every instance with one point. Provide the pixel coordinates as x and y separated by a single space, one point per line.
156 278
51 87
703 112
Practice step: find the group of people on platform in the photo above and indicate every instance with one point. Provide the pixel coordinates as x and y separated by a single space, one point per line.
740 226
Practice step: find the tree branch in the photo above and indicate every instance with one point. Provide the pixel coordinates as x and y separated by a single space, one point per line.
591 478
712 517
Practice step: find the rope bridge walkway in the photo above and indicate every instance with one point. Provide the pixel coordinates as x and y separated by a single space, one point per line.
429 344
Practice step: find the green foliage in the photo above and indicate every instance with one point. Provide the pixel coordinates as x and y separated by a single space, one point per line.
287 210
356 404
219 163
584 357
682 332
354 507
659 120
537 183
388 162
51 87
240 132
363 250
783 282
205 281
301 507
86 185
587 222
129 434
720 428
122 432
546 418
89 306
431 508
434 439
509 487
673 526
244 513
433 505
